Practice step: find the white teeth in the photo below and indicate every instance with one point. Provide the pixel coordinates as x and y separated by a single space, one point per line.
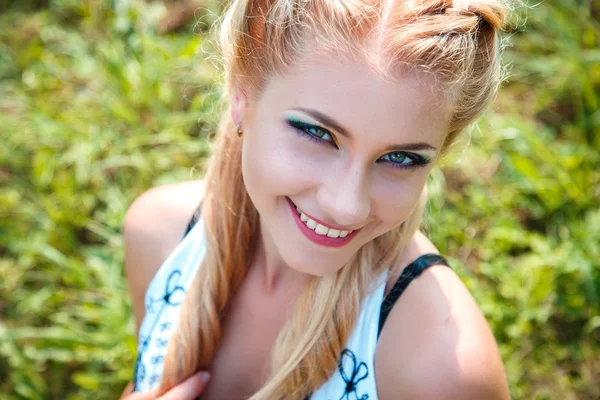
333 233
321 229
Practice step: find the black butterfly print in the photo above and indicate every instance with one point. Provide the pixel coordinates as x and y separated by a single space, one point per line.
174 295
140 370
352 377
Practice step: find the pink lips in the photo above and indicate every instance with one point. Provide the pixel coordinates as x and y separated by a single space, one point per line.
316 238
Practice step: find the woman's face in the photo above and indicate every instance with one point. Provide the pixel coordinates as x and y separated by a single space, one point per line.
350 151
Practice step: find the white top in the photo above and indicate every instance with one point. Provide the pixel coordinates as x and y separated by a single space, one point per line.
354 378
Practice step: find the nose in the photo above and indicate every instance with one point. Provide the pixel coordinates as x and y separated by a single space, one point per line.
344 196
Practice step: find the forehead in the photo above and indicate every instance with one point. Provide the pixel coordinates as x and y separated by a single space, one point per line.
405 110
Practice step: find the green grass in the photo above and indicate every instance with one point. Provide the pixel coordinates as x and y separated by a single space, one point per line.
95 108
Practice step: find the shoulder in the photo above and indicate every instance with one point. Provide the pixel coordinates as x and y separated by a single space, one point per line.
436 342
153 226
416 247
163 207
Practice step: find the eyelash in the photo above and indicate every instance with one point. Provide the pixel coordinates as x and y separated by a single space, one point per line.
300 128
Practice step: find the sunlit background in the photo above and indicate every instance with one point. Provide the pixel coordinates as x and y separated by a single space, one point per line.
101 100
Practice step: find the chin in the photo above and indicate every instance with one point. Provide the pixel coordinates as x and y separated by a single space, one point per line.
305 262
315 271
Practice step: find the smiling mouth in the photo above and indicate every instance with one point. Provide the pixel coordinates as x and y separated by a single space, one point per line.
319 228
319 233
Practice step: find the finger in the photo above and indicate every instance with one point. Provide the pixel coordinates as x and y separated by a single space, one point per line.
151 395
127 391
188 389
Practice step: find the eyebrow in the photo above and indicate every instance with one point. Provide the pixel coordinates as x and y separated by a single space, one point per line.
331 123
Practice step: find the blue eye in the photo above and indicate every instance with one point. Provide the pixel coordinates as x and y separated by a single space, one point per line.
396 159
400 159
312 132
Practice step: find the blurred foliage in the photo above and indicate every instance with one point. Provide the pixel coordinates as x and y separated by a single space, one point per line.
96 107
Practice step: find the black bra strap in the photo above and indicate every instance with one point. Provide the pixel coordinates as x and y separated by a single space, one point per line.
194 219
411 271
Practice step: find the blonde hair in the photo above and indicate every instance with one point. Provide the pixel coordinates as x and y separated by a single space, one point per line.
455 41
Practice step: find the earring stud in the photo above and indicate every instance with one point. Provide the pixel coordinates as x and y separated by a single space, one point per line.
238 129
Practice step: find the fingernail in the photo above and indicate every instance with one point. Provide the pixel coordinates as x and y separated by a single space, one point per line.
204 376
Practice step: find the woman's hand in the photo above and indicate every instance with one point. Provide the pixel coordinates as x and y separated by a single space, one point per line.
186 390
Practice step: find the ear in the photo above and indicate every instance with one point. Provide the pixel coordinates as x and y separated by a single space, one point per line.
239 105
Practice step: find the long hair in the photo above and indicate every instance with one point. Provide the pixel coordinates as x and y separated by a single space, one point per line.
455 41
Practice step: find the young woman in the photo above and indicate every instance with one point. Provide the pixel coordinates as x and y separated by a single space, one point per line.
304 231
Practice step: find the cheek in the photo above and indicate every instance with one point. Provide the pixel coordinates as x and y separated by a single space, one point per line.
395 200
269 165
274 163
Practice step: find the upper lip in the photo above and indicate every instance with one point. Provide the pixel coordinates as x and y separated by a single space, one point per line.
330 226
